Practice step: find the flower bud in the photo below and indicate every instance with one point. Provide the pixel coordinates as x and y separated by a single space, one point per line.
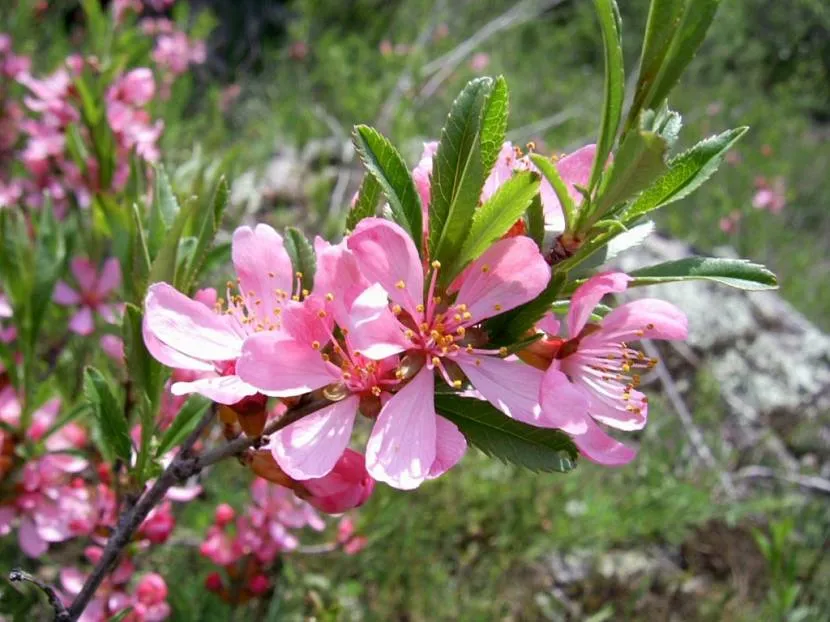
213 582
347 486
224 514
259 584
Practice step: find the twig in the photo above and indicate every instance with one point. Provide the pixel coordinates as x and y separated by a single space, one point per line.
694 433
811 482
183 466
61 614
443 66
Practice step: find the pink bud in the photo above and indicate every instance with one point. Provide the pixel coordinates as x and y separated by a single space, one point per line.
151 589
213 582
259 584
347 486
224 514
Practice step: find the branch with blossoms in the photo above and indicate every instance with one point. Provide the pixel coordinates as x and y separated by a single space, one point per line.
465 305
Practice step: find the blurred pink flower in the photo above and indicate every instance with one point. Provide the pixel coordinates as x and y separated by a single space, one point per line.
479 62
770 196
94 289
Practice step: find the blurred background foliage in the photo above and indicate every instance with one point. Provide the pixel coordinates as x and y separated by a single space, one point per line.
484 542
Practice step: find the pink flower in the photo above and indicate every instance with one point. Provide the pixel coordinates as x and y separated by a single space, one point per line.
770 196
135 88
479 62
185 334
159 524
589 378
93 290
348 485
346 537
150 600
439 330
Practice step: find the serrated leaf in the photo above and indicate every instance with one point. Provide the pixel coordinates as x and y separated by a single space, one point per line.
184 423
164 210
639 161
494 123
739 273
367 201
206 229
499 436
609 19
513 325
551 173
686 173
458 173
501 211
388 168
302 255
535 219
109 415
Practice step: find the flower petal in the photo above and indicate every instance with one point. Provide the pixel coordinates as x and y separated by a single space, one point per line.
646 318
30 541
565 405
402 446
450 447
220 389
549 324
281 366
374 331
110 277
189 326
171 357
82 322
85 273
310 448
508 384
510 273
387 255
598 447
262 266
63 295
339 275
575 170
587 297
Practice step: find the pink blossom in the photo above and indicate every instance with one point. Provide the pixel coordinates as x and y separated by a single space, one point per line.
135 88
159 524
93 290
479 62
770 196
347 486
185 334
348 539
589 376
175 52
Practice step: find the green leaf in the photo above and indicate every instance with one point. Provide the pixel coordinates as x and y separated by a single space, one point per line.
387 166
499 436
493 219
302 255
609 19
739 273
535 219
551 173
494 123
458 173
664 17
686 173
367 201
513 325
206 230
50 257
639 161
146 373
109 414
165 263
184 423
163 211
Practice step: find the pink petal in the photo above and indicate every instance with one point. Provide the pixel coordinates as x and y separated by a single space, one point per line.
302 322
171 357
220 389
310 447
339 275
575 169
189 326
110 277
565 405
280 366
549 324
449 449
30 541
82 322
598 447
64 295
7 516
587 297
72 580
85 273
615 413
502 171
508 384
402 446
647 318
107 312
183 494
263 266
387 255
510 273
374 331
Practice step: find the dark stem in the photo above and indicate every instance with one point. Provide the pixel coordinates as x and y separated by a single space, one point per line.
183 466
61 614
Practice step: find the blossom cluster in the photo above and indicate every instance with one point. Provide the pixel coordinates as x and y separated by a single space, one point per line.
377 334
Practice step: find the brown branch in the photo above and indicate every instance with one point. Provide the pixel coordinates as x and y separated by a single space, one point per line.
183 466
61 614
